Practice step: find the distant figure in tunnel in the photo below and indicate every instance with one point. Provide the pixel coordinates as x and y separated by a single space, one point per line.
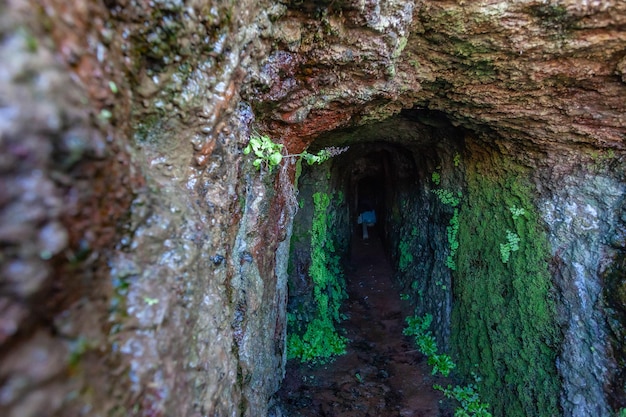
367 218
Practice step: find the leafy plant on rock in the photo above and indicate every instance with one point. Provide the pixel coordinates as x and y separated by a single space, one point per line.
512 245
467 396
266 152
269 154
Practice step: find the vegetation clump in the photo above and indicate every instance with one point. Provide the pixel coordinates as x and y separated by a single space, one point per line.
317 339
467 396
449 198
269 154
406 258
504 317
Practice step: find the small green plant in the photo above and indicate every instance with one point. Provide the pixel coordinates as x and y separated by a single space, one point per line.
467 396
426 344
441 364
457 159
318 344
105 115
418 327
453 241
447 197
511 245
517 212
404 249
267 153
406 258
404 297
512 238
436 178
150 301
270 154
621 413
113 87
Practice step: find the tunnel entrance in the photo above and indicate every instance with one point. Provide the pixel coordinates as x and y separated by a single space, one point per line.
367 286
456 220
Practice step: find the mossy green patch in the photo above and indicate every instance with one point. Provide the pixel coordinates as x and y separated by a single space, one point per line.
400 47
504 323
316 338
452 230
406 258
149 129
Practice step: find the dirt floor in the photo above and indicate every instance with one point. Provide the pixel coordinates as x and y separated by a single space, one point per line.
382 374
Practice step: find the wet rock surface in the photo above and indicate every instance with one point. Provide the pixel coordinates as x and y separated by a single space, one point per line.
382 373
64 189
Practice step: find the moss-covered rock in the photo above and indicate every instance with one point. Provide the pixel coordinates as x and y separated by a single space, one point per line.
317 284
504 319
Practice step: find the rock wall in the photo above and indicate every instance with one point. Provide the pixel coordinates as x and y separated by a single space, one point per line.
505 328
144 260
144 267
65 194
582 214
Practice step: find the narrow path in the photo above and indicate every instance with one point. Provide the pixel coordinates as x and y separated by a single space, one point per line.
382 375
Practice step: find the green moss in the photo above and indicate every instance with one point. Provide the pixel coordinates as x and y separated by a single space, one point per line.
550 13
316 338
447 197
149 129
465 49
406 258
448 20
401 45
482 69
504 316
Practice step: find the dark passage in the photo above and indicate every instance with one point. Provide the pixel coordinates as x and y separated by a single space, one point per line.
382 374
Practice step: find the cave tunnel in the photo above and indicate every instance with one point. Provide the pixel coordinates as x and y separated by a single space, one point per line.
458 225
152 265
391 168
